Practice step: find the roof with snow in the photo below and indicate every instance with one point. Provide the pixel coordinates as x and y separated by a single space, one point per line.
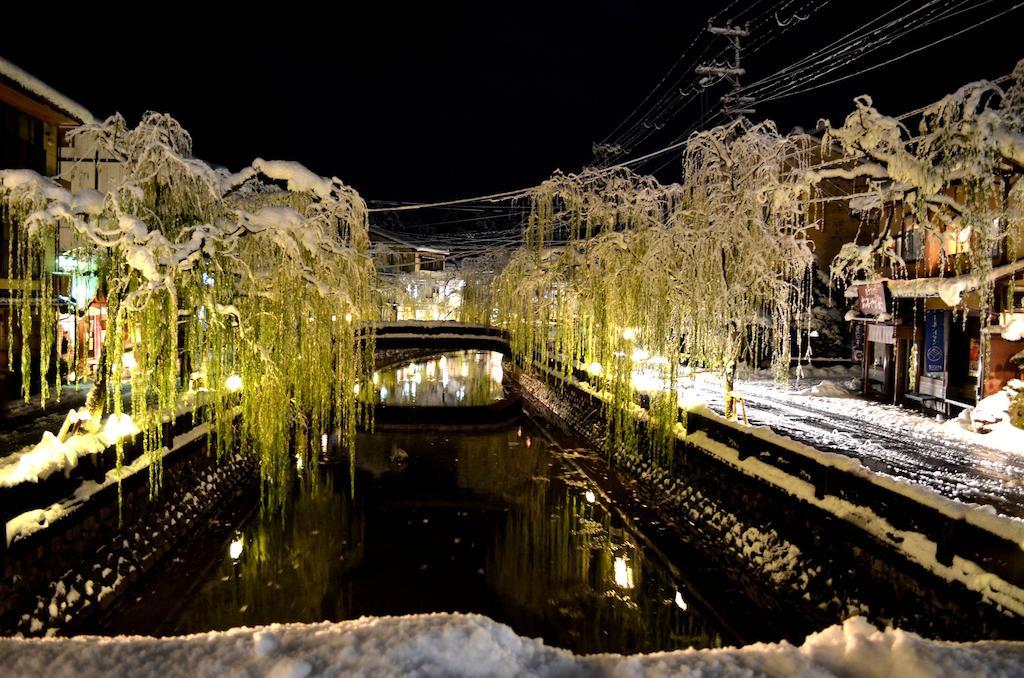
377 233
21 85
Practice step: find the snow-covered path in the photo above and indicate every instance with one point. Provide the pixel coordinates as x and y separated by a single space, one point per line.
888 439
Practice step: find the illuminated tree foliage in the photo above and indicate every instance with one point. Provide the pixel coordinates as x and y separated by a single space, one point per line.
702 274
239 293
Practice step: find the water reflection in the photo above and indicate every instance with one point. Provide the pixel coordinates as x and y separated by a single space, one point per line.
469 521
462 378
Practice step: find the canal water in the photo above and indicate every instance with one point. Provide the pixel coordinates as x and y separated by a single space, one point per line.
498 520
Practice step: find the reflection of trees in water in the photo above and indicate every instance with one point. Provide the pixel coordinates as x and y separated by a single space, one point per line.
564 566
288 568
501 465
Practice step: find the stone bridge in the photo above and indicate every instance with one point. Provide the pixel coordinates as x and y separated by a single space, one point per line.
441 336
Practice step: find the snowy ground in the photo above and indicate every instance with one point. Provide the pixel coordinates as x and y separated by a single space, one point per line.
473 645
821 411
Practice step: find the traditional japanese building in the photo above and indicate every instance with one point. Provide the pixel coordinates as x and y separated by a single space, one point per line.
33 120
929 338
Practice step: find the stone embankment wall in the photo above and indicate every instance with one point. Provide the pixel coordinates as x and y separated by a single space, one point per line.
784 552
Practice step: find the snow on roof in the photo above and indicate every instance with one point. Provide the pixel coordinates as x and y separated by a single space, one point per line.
474 645
388 235
33 85
950 290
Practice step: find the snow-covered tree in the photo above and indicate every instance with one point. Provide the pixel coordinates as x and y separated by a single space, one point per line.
239 292
703 273
958 177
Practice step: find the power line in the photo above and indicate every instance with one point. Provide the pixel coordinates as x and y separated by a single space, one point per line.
895 58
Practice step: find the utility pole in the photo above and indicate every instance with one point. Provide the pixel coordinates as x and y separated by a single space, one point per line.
732 103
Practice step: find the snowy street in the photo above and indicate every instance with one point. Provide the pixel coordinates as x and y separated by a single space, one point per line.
888 439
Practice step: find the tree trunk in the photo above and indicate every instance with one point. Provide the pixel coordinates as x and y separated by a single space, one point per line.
730 382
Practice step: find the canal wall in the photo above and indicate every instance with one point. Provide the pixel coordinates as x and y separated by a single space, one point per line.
71 559
815 532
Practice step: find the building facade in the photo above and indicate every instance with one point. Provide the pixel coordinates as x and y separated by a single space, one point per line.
34 119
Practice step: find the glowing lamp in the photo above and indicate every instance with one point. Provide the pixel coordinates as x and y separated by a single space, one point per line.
234 383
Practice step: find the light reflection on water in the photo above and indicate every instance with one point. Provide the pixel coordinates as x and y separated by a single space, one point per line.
462 378
496 522
469 522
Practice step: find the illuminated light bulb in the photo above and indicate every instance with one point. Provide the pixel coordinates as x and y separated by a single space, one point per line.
376 378
623 573
128 361
355 388
298 461
72 377
443 363
680 603
348 317
234 383
591 497
117 427
629 334
645 383
235 550
334 318
595 369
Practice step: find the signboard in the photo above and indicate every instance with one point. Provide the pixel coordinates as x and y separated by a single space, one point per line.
858 342
872 299
934 341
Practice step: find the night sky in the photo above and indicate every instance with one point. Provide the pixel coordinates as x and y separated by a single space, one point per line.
431 101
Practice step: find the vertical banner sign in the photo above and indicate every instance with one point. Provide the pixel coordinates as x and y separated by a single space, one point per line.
934 341
858 342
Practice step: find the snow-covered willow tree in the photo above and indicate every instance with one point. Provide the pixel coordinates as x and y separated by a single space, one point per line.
238 293
631 279
957 177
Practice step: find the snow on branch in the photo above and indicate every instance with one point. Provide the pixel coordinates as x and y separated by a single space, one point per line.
178 238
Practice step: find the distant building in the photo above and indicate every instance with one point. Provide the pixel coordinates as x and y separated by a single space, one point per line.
393 254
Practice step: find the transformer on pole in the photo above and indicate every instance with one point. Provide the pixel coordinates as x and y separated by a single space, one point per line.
733 105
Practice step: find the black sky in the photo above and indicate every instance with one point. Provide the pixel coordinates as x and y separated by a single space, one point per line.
430 101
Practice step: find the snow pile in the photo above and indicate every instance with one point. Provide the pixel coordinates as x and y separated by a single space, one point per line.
473 645
1014 331
51 454
826 389
991 419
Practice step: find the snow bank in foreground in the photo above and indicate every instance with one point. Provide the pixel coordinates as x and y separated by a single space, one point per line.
473 645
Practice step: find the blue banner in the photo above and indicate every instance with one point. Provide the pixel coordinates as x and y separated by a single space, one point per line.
934 341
